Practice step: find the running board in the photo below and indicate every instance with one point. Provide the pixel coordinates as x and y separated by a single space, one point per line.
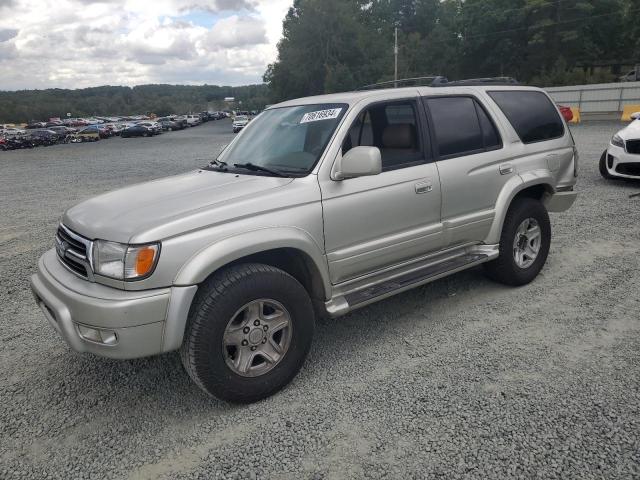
429 273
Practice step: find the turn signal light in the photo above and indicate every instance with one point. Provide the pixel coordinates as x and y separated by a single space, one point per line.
145 261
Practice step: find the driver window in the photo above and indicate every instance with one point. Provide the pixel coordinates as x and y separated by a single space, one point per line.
393 128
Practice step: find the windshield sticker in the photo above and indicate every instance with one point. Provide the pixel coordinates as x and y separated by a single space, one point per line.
321 115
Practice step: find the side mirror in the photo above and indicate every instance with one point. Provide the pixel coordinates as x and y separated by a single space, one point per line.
359 162
635 116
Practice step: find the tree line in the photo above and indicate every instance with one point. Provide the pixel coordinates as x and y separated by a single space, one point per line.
29 105
337 45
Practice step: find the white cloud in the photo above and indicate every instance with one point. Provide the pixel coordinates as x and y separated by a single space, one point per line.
80 43
237 32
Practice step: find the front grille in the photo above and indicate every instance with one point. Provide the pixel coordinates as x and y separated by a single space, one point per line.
74 251
629 169
633 147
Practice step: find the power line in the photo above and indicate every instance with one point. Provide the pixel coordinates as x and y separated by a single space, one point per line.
516 9
586 17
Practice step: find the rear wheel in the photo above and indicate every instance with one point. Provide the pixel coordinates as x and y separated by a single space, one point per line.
524 243
603 167
249 331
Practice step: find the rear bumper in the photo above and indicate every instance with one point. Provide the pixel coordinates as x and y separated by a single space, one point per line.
622 164
143 323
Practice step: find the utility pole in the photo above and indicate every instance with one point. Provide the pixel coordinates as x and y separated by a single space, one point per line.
395 52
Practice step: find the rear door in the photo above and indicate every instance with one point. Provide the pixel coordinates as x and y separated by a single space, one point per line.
471 162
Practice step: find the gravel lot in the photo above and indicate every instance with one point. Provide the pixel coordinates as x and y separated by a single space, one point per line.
461 378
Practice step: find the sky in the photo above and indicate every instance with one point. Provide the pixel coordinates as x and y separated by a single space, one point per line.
86 43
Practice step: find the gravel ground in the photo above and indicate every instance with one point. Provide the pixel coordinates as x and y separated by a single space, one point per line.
462 378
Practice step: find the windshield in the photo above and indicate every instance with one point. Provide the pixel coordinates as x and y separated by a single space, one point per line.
241 117
288 139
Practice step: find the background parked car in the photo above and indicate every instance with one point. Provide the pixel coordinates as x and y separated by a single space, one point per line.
240 122
155 126
44 137
87 134
19 141
632 76
566 113
621 159
170 125
182 119
138 130
114 128
193 120
63 131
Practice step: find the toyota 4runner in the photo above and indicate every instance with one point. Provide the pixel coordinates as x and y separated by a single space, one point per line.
321 205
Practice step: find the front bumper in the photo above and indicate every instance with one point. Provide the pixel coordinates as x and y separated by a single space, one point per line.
622 164
144 323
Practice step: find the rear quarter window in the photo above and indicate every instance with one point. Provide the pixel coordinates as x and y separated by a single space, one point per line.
531 113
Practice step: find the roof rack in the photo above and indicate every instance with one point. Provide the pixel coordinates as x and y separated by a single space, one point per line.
480 82
440 81
429 81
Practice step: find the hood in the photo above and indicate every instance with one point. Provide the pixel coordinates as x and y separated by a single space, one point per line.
631 132
162 208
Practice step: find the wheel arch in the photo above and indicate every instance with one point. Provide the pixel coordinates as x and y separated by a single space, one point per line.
290 249
537 184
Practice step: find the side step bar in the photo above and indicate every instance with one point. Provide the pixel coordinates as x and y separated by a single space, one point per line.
413 279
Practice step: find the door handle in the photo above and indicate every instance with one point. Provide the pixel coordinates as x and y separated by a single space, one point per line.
506 169
423 187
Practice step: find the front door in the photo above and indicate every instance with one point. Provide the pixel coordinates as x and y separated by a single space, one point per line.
379 221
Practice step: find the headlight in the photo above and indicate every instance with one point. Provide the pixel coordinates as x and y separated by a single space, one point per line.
617 141
124 262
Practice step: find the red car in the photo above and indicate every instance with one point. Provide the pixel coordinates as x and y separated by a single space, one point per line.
566 112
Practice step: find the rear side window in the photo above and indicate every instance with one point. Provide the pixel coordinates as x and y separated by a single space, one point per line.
462 127
489 133
531 113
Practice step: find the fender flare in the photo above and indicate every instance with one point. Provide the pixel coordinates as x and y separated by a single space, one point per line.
513 187
215 256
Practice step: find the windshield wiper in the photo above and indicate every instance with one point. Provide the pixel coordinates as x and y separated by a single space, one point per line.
260 168
217 165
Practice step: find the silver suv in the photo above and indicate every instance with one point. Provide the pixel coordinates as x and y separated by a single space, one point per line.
321 205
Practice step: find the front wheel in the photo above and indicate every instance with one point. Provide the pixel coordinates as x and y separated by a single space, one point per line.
249 330
524 243
603 167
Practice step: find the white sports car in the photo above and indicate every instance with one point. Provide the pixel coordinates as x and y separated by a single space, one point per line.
622 158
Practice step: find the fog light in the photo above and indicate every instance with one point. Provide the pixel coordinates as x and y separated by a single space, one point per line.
106 337
109 337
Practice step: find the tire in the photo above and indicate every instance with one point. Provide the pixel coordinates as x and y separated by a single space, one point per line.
506 269
603 167
219 308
